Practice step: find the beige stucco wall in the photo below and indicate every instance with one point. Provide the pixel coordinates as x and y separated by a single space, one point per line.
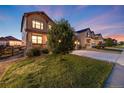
15 43
83 38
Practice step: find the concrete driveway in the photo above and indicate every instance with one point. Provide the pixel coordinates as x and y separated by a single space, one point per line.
116 79
110 57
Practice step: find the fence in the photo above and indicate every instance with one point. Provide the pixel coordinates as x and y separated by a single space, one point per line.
8 51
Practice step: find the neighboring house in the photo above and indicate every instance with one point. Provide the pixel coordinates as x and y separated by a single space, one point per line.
115 42
88 38
3 41
10 41
85 36
99 39
34 28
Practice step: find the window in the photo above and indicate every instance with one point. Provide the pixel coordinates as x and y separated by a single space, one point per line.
49 26
34 39
37 39
88 34
37 24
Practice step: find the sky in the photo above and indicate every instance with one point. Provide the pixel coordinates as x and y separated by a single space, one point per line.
107 20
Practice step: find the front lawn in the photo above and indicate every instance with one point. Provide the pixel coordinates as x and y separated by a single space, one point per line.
56 71
119 46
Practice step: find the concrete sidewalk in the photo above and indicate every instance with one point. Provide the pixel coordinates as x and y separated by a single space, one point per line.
116 79
121 59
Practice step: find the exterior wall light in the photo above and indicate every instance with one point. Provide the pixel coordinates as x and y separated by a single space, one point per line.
59 41
75 42
78 43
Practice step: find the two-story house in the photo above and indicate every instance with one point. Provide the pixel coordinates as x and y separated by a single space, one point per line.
34 28
88 38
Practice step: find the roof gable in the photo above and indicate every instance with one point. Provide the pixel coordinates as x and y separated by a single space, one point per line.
12 38
39 12
83 30
3 39
99 34
35 12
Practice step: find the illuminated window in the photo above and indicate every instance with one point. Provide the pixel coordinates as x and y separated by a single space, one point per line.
37 39
49 26
88 34
34 39
37 24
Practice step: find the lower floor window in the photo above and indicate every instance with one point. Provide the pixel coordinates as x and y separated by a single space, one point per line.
37 39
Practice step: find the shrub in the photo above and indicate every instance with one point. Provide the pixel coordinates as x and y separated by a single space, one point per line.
45 51
33 52
98 47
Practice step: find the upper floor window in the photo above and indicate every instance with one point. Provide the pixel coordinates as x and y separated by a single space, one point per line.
49 26
37 24
88 34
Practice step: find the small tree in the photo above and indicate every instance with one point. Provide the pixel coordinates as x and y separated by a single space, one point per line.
121 43
60 37
108 42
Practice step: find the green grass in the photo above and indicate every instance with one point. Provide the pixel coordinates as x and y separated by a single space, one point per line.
56 71
119 46
114 50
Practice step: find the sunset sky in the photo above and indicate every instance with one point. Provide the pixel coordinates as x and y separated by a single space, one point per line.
108 20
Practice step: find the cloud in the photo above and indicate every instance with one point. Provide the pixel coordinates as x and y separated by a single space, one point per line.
3 17
80 7
55 13
100 18
58 13
110 26
106 23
